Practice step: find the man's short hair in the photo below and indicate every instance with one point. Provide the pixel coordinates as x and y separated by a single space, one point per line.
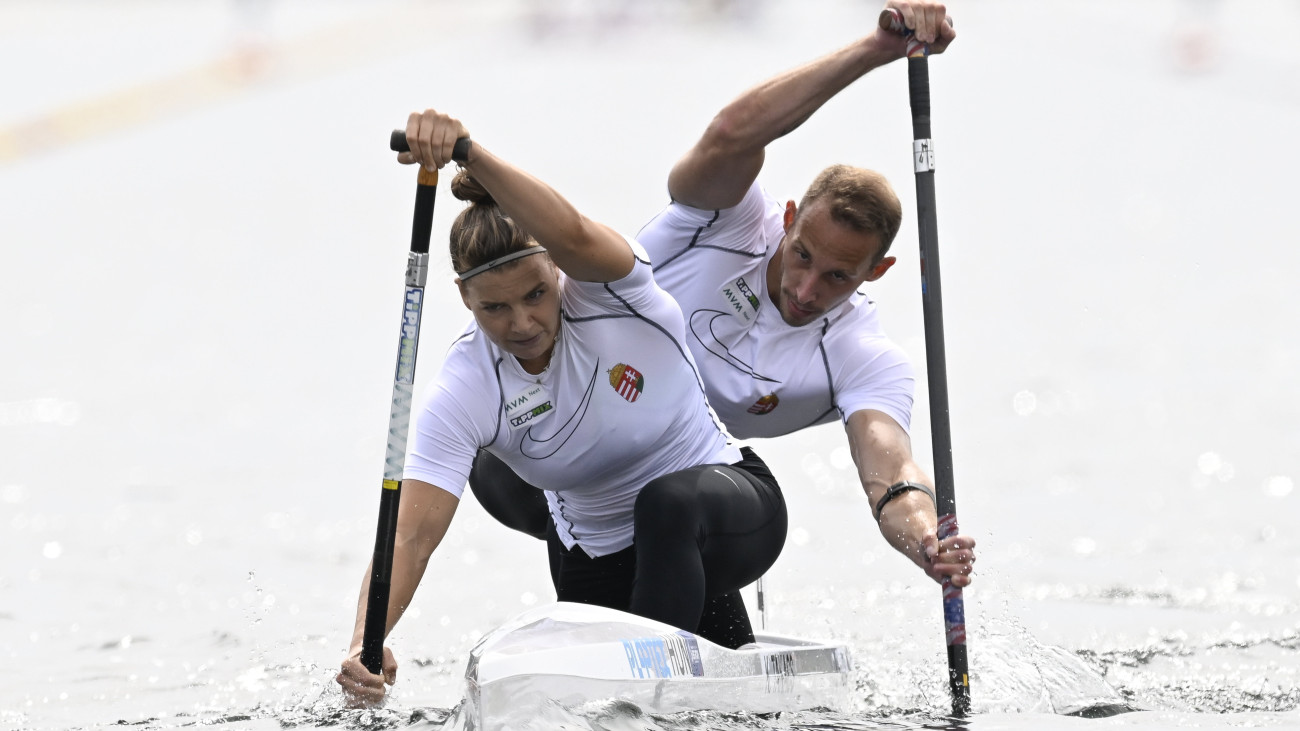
860 199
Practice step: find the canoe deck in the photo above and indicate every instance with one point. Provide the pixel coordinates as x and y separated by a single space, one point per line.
573 654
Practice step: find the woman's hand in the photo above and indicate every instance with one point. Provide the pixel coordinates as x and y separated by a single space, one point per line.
431 136
362 688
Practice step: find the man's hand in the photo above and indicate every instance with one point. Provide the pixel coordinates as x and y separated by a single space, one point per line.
928 21
953 556
362 688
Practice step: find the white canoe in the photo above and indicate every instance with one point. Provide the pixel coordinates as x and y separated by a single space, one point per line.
573 654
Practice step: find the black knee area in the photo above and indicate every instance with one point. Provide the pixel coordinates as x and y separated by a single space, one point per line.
507 498
667 506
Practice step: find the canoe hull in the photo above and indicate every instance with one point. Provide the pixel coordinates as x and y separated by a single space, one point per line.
573 654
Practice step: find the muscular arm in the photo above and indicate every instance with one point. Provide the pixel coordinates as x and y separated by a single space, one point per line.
882 452
423 516
717 171
584 249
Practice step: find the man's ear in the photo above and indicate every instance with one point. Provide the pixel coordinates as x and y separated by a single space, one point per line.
790 210
880 268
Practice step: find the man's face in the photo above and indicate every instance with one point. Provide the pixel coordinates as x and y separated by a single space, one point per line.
518 308
822 263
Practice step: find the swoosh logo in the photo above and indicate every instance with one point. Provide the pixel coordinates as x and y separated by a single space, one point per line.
701 324
541 448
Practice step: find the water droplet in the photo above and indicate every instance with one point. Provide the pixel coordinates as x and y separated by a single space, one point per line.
1024 403
1084 546
52 549
1209 463
1279 486
1226 472
13 494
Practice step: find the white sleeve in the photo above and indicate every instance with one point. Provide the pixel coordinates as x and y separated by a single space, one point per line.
450 426
879 377
679 227
636 290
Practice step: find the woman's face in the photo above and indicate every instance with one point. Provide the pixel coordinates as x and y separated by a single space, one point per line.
518 307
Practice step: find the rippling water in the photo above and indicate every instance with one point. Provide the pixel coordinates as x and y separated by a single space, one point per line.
202 237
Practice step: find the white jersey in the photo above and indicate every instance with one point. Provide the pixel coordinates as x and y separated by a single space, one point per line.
620 404
764 377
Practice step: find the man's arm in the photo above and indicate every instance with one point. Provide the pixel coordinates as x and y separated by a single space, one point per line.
423 516
882 452
717 171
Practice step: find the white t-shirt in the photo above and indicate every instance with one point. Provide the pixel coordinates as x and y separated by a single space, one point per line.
764 377
620 404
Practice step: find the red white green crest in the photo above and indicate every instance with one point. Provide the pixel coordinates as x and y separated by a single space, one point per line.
627 380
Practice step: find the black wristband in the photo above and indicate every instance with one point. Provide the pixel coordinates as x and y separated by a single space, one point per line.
899 488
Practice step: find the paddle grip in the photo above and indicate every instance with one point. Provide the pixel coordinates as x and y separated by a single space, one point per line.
459 152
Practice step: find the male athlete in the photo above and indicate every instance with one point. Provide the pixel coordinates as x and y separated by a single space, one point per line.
779 331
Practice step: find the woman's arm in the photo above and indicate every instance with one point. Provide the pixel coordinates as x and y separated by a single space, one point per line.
423 517
584 249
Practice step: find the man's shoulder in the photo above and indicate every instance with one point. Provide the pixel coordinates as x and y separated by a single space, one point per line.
857 327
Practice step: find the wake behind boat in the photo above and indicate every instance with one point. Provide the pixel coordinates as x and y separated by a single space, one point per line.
573 654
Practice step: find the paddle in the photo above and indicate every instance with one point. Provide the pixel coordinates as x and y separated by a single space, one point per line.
417 270
954 612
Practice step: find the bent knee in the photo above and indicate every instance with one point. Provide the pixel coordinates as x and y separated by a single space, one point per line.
668 501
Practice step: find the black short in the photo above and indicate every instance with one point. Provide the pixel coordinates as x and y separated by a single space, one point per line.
701 534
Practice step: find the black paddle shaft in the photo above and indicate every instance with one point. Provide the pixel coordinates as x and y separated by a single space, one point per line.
954 612
918 74
381 565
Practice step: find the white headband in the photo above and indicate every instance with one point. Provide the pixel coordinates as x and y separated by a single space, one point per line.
501 260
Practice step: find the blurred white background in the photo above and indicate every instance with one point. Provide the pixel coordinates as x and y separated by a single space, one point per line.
202 241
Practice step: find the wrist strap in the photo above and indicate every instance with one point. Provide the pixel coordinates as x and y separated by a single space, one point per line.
897 489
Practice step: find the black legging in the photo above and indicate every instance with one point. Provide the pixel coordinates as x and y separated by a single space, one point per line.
513 502
701 534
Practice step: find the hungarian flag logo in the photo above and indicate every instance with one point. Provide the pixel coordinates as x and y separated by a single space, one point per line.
764 405
627 380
